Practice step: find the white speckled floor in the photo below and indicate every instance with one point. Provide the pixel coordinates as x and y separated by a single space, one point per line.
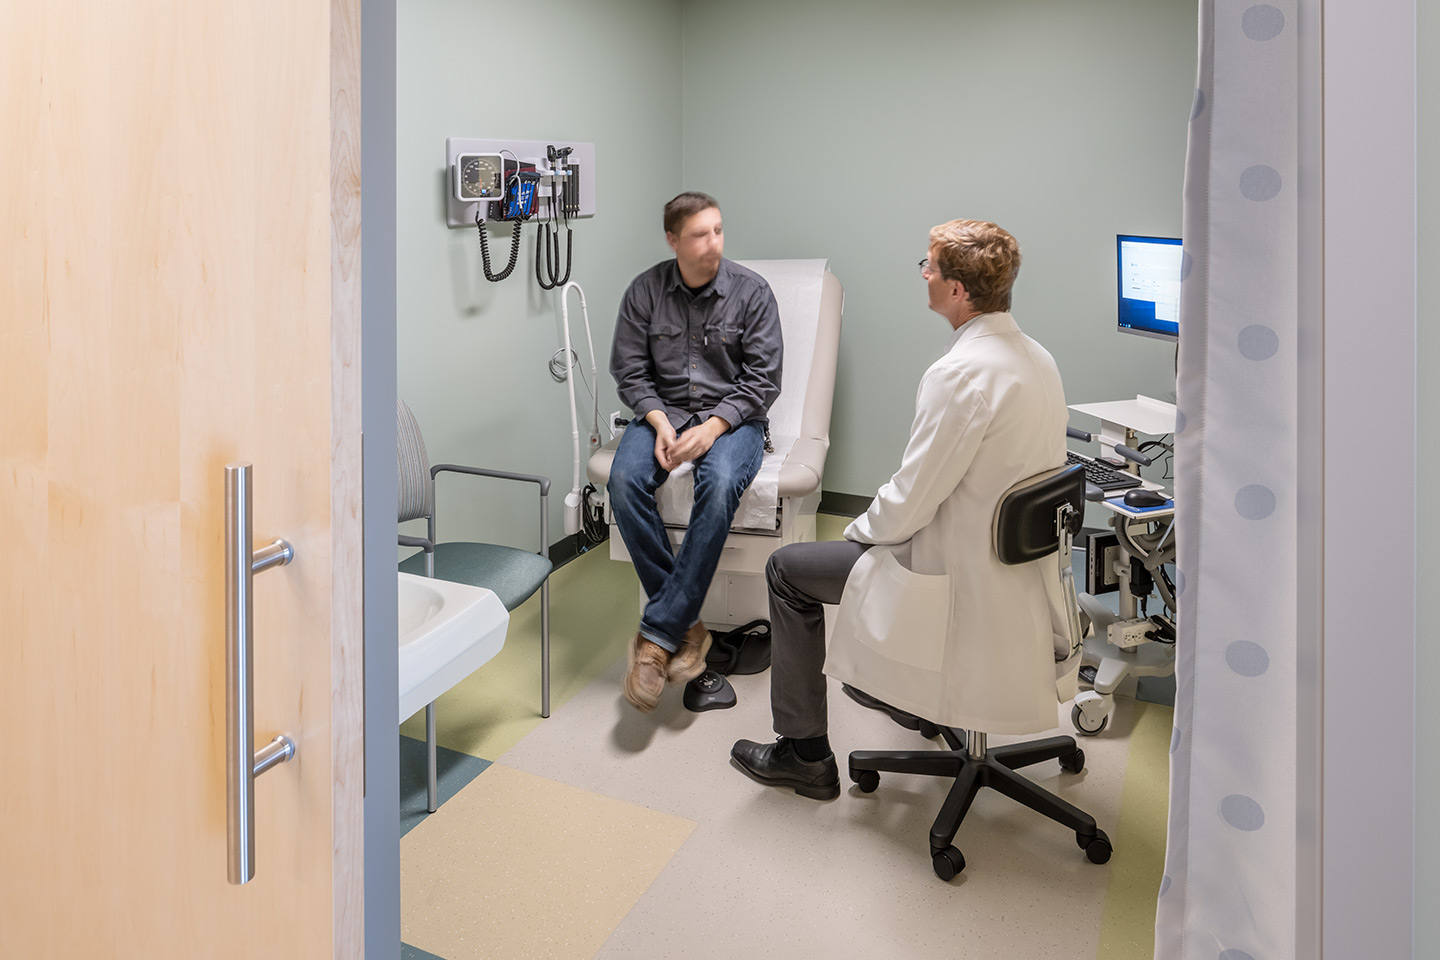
769 873
743 870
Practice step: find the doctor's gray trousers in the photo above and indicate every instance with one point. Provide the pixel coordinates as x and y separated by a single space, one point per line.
802 577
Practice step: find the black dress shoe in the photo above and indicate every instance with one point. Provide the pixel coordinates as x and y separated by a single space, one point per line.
777 765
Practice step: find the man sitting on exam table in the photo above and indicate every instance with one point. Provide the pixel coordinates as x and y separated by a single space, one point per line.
989 413
697 356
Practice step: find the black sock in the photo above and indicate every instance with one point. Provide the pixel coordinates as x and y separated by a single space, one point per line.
812 749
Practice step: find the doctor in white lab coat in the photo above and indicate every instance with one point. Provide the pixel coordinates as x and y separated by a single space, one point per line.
930 621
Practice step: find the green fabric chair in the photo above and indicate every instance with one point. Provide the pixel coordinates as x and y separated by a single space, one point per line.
513 574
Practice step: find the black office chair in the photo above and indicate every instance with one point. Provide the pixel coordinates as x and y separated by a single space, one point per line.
1035 519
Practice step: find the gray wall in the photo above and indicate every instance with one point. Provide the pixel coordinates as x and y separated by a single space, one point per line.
1427 614
473 355
846 129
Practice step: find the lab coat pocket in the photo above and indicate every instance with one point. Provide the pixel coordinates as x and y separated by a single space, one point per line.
902 615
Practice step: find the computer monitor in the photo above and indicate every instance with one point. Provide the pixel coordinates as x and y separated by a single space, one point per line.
1148 272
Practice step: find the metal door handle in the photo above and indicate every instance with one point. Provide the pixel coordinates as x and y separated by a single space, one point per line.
243 763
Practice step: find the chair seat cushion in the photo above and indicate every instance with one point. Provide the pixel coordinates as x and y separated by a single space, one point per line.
513 574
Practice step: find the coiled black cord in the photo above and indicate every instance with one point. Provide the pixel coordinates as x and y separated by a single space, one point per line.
592 519
542 240
485 251
550 242
569 255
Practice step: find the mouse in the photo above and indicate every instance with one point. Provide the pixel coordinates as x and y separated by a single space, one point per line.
709 691
1145 498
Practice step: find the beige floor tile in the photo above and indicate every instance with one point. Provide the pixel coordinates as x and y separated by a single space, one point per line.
519 867
764 873
768 873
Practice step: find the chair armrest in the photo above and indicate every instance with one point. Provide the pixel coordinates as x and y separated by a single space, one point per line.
498 474
421 542
544 483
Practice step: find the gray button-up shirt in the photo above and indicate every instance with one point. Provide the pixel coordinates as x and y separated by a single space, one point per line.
717 354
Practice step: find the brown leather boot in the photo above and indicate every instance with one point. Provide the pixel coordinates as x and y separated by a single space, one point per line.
688 662
647 663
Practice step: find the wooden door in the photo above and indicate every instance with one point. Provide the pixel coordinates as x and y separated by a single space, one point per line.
179 243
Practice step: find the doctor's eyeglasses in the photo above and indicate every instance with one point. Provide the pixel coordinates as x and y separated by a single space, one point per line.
926 270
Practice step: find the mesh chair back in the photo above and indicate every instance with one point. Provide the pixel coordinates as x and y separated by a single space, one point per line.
415 488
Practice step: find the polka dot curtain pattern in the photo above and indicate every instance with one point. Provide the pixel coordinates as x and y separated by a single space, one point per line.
1228 892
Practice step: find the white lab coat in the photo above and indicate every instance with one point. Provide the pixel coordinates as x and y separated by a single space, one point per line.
930 620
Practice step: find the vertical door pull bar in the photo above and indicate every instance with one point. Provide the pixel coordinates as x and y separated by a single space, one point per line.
243 763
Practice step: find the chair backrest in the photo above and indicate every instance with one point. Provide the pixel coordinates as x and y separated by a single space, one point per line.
1036 514
1037 518
416 490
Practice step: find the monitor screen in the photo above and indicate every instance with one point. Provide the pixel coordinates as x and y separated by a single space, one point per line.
1148 270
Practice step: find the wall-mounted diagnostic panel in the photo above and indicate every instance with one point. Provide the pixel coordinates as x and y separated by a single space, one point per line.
478 176
482 174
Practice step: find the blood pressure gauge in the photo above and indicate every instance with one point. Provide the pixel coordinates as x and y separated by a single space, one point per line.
479 176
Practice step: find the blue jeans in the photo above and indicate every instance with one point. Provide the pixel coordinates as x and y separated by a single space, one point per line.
676 583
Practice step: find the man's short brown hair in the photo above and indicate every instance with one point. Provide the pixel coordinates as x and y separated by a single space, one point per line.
684 207
980 255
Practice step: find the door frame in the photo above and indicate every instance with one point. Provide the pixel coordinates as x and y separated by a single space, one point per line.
1363 680
378 392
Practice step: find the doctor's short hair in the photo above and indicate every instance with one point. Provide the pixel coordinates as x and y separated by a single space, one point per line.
982 256
685 206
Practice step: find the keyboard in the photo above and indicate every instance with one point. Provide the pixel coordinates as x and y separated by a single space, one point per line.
1106 478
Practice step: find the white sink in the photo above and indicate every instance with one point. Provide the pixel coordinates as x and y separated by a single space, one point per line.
447 630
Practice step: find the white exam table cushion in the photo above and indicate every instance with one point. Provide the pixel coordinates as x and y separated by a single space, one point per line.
796 473
811 302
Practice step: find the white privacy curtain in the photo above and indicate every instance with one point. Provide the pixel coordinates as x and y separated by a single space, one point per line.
1228 891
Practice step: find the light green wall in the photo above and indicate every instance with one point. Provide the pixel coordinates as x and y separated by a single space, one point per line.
1063 122
473 355
846 129
1427 612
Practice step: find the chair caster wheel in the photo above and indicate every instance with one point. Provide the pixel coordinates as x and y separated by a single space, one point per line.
1074 762
1084 720
947 863
927 730
866 780
1097 848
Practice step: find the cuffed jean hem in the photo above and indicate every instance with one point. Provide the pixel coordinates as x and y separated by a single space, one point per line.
659 639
